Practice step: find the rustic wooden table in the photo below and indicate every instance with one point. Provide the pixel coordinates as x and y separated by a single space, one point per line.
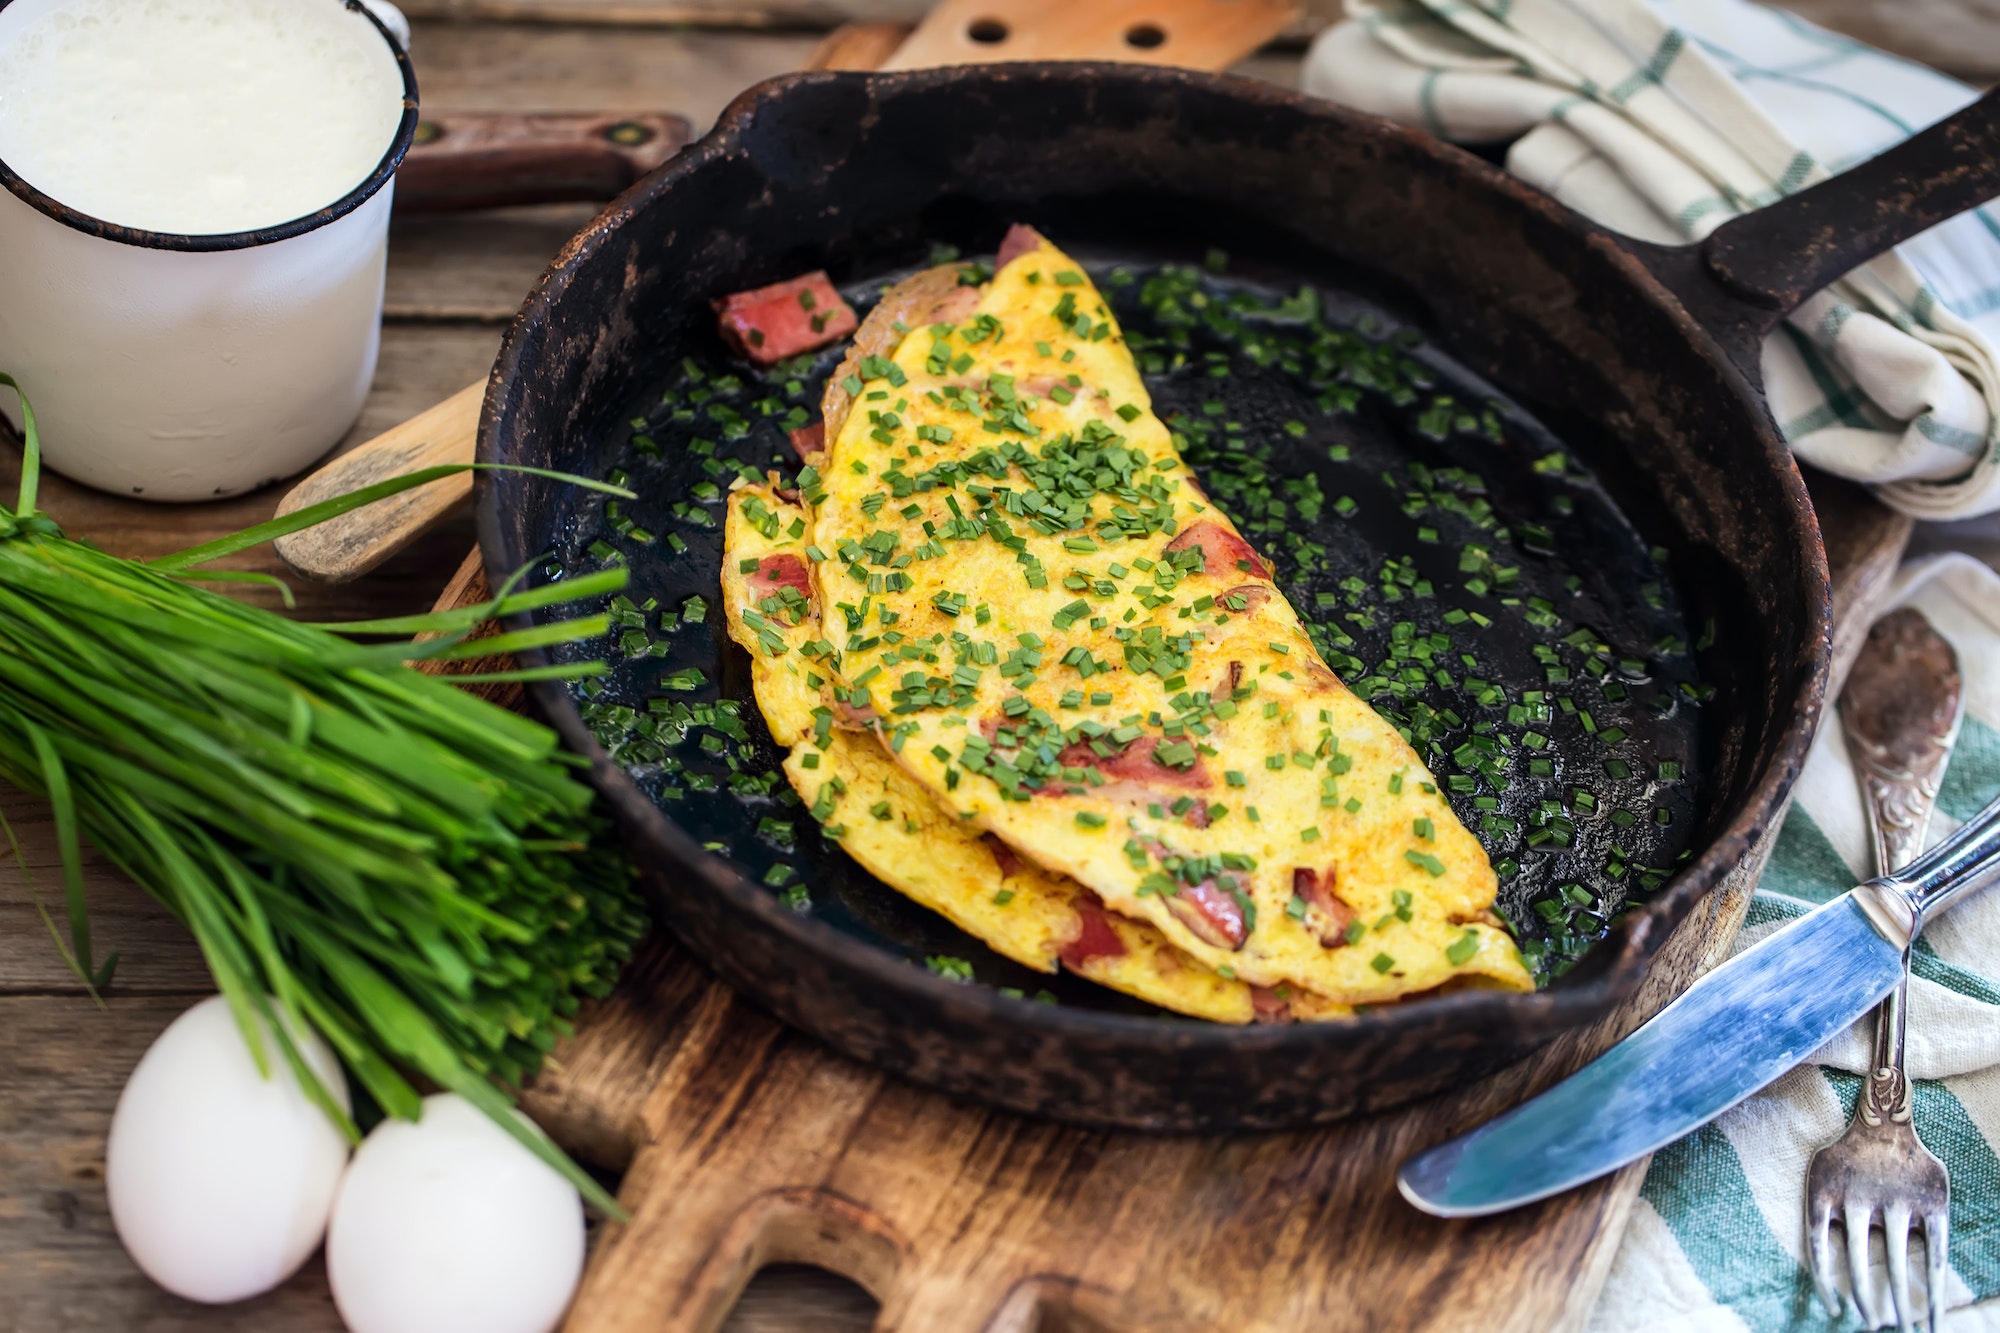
453 284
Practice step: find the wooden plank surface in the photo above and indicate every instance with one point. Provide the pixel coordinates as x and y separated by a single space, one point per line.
1961 36
767 15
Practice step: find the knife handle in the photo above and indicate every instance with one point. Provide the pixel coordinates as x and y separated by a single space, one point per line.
1961 865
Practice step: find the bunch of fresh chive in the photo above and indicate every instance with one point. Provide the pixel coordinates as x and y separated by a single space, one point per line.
405 869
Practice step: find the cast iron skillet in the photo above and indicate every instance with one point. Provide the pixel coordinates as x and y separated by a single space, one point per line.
1650 352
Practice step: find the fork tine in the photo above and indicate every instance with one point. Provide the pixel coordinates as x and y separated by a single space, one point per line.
1819 1252
1937 1227
1855 1221
1896 1236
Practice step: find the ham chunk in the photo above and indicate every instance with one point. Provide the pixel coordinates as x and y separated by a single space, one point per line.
808 440
773 572
772 323
1020 239
1213 915
1222 551
1333 915
1269 1006
1096 939
1137 763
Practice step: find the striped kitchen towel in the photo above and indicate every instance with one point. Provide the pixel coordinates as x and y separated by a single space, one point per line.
1717 1236
1665 118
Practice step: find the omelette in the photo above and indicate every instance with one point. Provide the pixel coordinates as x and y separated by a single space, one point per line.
1048 628
899 833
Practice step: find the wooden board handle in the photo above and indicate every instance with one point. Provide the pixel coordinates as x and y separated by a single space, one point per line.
471 160
1193 34
349 546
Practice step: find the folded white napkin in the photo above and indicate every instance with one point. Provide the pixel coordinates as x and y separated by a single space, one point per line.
1664 120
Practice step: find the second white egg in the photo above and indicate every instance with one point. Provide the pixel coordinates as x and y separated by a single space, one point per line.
448 1225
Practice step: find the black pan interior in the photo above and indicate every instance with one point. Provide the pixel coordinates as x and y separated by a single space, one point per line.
1131 168
1399 495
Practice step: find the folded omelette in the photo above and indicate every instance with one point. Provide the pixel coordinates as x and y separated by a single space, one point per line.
1022 663
894 829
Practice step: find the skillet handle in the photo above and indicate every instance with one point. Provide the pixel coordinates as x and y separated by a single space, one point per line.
1778 256
1754 270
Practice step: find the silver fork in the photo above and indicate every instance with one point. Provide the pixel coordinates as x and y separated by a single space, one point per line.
1900 712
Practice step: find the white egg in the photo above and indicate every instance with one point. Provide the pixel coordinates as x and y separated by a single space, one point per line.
448 1225
220 1179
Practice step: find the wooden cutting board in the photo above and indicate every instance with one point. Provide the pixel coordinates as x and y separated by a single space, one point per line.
744 1143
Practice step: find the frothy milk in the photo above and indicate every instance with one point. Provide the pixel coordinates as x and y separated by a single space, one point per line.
201 117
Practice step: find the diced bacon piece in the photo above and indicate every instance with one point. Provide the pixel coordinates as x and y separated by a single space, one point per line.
849 718
1333 915
773 572
1222 550
1268 1006
1252 595
784 319
1004 856
809 440
1020 239
1135 763
934 296
1230 680
1096 939
1214 916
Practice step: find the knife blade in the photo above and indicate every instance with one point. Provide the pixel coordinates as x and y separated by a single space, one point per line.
1733 1032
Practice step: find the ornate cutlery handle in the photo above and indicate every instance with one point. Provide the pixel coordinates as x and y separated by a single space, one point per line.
1900 712
1963 864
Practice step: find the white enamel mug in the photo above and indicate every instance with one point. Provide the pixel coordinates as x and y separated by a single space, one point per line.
177 367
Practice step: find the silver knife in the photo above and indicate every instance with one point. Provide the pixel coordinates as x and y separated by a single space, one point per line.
1737 1030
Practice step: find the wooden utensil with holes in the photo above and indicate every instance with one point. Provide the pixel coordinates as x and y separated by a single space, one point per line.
1198 34
745 1144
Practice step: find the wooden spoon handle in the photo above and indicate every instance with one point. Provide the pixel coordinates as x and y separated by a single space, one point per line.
349 546
471 160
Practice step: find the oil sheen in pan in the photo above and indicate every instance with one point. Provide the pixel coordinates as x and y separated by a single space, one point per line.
1458 565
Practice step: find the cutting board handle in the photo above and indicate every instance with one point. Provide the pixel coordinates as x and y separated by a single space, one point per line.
349 546
753 1146
1192 34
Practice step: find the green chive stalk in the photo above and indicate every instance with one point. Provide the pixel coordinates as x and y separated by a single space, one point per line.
358 848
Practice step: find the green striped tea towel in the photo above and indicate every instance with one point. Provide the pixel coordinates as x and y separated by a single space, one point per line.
1717 1236
1664 119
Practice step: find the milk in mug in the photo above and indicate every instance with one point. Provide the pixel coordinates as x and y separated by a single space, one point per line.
190 268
